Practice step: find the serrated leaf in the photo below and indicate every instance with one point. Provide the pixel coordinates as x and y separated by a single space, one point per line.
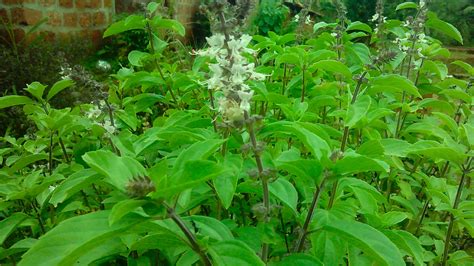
406 5
12 100
357 25
233 252
136 58
58 87
444 27
211 227
283 190
356 163
9 224
83 234
318 146
197 151
118 170
357 111
333 66
36 89
123 208
393 83
374 244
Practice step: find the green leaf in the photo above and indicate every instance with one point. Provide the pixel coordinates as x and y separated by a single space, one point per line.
123 208
151 7
406 5
333 66
374 244
321 25
26 160
12 100
170 24
197 151
136 58
192 174
211 227
58 87
283 190
226 184
408 243
356 163
233 252
467 67
357 111
357 25
71 185
118 170
393 217
66 243
9 224
318 146
133 22
393 83
434 150
444 27
36 89
395 147
298 260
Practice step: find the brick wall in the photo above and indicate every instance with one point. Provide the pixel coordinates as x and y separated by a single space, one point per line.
85 18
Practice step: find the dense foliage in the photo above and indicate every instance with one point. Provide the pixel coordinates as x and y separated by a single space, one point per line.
352 146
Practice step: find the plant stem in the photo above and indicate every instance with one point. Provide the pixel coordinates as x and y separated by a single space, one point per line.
66 156
264 179
50 164
189 235
345 136
317 193
211 98
449 232
303 88
422 216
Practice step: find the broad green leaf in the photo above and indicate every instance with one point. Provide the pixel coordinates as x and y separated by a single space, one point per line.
161 240
283 190
27 160
192 173
58 87
290 58
406 5
73 238
170 24
357 25
226 184
71 185
444 27
356 163
408 243
435 151
9 224
393 217
233 252
12 100
118 170
393 83
211 227
333 66
36 89
298 260
151 7
318 146
132 22
357 111
467 67
321 25
368 239
136 57
123 208
469 132
197 151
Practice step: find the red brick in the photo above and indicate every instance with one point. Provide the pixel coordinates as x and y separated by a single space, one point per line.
98 18
47 2
66 3
26 16
19 34
70 19
85 20
54 19
88 3
48 36
4 15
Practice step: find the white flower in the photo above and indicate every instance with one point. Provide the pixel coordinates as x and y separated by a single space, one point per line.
51 188
296 18
93 113
108 126
245 98
334 34
230 110
375 17
422 3
308 20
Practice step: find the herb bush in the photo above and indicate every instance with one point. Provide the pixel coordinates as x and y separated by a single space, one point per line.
266 150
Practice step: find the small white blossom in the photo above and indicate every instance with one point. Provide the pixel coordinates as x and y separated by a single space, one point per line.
308 20
375 17
245 98
296 18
